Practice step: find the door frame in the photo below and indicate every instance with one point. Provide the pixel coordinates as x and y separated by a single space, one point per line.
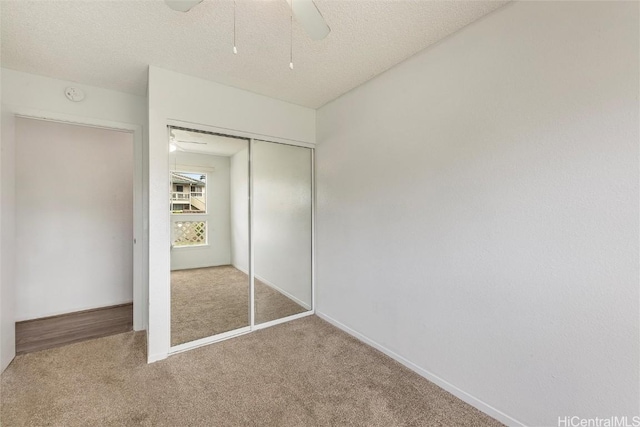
250 137
140 290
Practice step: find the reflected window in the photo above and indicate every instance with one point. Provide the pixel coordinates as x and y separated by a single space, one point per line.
188 193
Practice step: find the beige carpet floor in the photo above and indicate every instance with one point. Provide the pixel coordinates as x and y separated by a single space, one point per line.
212 300
301 373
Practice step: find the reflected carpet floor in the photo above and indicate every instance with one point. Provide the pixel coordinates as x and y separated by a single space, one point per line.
301 373
208 301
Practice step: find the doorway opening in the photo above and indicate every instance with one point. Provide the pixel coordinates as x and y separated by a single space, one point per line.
77 208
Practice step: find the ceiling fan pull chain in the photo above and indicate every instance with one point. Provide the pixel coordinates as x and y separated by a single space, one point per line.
291 43
235 50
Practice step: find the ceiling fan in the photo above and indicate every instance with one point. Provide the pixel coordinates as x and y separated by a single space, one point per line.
173 138
188 142
173 143
305 11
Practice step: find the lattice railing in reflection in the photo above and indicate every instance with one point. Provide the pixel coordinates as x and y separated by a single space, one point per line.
189 233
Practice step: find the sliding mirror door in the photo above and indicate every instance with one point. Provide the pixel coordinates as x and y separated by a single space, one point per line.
282 230
209 234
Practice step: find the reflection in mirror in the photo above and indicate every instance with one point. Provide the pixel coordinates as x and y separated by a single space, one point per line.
282 196
209 218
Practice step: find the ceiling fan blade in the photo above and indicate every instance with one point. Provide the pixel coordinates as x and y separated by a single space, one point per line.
182 5
309 17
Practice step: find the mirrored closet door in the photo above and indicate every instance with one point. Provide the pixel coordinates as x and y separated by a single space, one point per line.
282 230
241 218
209 191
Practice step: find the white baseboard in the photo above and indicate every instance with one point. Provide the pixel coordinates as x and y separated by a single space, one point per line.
278 289
460 394
241 269
283 292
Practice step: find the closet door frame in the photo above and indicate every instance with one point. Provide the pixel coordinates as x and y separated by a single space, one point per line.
251 137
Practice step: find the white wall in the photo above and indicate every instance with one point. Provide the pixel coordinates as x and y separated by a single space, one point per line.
7 344
199 103
240 210
23 90
282 218
36 95
218 249
478 211
74 218
7 244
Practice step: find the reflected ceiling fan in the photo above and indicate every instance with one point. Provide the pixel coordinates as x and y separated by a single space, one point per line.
173 138
188 142
305 12
173 143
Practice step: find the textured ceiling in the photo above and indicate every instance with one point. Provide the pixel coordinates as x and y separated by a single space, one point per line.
111 43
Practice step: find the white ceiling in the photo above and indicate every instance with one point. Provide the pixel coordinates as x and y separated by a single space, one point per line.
111 43
204 143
